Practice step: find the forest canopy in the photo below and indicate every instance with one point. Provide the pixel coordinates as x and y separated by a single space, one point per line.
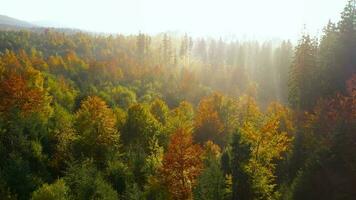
93 116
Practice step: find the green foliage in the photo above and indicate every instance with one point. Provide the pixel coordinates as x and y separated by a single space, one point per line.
155 190
118 175
134 193
86 182
241 180
304 74
118 96
62 92
5 192
181 116
211 183
159 110
141 126
55 191
20 177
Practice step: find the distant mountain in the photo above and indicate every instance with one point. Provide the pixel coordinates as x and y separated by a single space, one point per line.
51 24
9 22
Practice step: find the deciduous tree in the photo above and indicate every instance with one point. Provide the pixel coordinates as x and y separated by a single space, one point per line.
182 164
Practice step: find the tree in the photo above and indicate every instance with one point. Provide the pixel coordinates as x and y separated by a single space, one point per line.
142 47
346 46
86 182
241 180
141 126
216 118
181 117
182 164
160 110
328 60
201 50
122 97
328 138
55 191
208 123
96 125
167 51
17 95
60 138
62 91
185 49
304 76
283 62
268 137
211 182
118 174
259 141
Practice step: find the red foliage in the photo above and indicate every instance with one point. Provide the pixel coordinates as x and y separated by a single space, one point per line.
16 94
182 165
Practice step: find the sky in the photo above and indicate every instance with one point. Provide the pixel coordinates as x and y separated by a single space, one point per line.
283 19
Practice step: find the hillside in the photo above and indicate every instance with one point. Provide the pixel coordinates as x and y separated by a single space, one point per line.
6 21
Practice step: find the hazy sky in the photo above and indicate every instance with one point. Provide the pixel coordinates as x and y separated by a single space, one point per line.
256 18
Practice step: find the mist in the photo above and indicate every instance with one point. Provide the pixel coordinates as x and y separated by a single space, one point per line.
256 19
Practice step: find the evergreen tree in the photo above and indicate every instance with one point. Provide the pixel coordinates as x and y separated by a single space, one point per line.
241 181
303 85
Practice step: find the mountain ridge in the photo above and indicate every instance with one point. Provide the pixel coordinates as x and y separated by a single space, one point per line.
10 21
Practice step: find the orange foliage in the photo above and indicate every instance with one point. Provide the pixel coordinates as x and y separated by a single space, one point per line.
208 123
182 165
330 114
211 149
98 121
351 86
16 94
342 107
332 125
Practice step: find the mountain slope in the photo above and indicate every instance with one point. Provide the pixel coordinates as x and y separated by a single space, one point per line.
6 21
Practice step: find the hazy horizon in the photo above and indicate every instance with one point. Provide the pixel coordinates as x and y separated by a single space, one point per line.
282 19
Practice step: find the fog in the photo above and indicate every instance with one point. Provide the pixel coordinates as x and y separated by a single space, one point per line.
284 19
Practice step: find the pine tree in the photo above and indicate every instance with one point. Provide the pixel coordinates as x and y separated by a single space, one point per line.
346 45
303 75
167 53
241 181
327 60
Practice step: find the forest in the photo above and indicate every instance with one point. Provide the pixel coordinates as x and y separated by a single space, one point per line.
174 117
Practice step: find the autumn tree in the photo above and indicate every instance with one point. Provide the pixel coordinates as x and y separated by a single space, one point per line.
16 94
96 125
182 164
216 118
260 140
327 137
208 122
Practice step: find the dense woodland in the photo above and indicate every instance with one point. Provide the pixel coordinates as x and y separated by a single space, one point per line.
89 116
